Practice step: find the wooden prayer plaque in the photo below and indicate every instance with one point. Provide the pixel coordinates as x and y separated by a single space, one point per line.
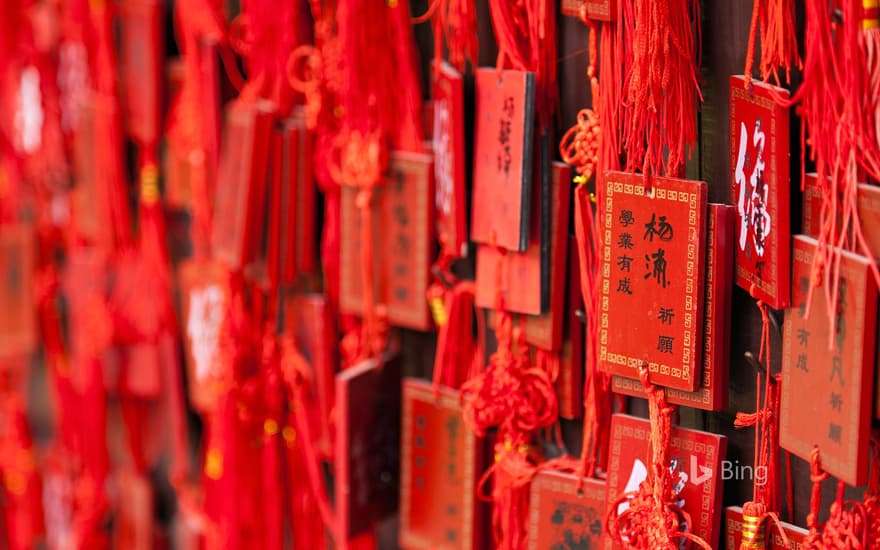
545 330
528 278
733 521
570 384
441 463
598 10
694 459
560 517
811 216
18 322
759 179
298 253
367 444
652 262
203 290
869 214
241 177
402 243
450 162
712 393
141 58
503 142
827 391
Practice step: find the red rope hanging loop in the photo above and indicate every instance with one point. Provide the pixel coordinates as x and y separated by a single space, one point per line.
652 519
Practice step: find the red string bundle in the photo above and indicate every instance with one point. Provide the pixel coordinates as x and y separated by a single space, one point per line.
526 34
847 524
661 90
774 21
454 23
459 349
652 519
839 97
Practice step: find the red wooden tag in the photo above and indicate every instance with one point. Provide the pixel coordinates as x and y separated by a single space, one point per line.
203 289
134 522
599 10
18 328
561 517
832 387
141 58
367 444
441 459
712 393
89 215
652 276
309 317
812 207
527 277
570 384
402 242
759 153
241 177
503 141
733 520
297 241
545 330
695 458
869 214
450 163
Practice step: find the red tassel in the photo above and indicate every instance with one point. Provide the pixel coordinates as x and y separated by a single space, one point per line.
774 20
662 84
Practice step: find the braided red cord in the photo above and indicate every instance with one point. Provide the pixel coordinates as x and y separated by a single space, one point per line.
652 519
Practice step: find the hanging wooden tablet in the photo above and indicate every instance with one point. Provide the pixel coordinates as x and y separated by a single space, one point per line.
18 322
204 302
241 175
503 140
545 330
441 460
298 232
712 393
598 10
402 242
450 163
812 207
831 386
309 318
869 214
367 444
694 460
87 210
561 516
759 156
141 59
570 384
524 276
733 521
652 254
